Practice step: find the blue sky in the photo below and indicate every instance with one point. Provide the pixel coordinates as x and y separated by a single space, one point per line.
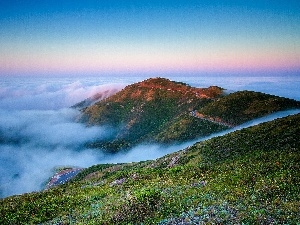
65 37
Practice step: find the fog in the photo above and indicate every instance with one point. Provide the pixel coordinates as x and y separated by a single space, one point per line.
38 131
45 94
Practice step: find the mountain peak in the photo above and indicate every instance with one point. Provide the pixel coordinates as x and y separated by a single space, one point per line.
158 87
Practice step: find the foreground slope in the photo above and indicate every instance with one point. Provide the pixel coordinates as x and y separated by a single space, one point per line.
251 176
164 111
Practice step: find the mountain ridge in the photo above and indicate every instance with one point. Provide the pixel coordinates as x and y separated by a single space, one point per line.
164 111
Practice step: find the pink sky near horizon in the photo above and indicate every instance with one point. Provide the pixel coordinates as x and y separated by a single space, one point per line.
145 60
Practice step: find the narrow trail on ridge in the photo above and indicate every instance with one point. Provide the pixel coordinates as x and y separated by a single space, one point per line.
213 120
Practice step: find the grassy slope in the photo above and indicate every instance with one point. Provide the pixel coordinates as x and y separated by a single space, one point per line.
250 176
242 106
186 127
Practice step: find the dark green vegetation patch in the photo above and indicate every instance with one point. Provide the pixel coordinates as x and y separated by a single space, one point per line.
242 106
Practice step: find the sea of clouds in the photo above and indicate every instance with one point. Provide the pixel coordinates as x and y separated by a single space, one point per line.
39 132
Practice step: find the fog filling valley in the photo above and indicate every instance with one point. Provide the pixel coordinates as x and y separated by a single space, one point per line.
39 132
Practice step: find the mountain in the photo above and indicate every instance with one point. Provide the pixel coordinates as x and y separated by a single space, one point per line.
250 176
164 111
143 111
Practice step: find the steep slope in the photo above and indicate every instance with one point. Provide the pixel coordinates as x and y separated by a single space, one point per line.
251 176
242 106
143 110
164 111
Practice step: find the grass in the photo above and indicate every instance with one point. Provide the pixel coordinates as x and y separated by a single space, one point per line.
242 106
251 176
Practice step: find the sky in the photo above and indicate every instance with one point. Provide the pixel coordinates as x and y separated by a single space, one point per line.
140 36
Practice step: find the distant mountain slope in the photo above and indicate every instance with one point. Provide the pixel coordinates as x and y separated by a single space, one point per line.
250 176
242 106
160 110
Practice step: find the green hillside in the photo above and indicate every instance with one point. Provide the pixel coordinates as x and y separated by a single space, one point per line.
164 111
186 127
251 176
243 106
147 109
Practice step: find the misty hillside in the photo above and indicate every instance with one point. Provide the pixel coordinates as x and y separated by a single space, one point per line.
95 98
250 176
164 111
